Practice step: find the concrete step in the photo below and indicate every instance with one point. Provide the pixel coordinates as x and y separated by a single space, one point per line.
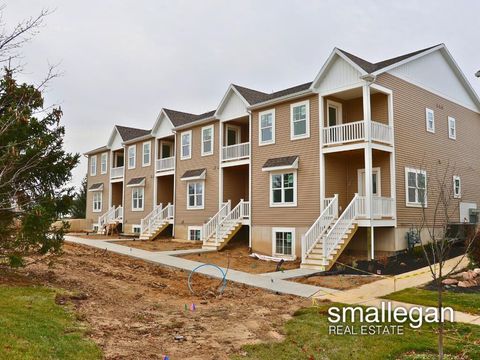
312 267
314 261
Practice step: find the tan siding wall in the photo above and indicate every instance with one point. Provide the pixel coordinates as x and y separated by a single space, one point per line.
184 217
91 216
415 147
135 217
308 199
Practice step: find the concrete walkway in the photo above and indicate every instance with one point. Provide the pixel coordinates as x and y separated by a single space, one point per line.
264 281
290 274
369 294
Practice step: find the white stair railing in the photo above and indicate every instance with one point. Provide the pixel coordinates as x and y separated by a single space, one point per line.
156 217
118 213
107 216
232 219
339 229
211 226
320 226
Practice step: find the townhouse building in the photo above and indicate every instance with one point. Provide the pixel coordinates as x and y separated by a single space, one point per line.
349 160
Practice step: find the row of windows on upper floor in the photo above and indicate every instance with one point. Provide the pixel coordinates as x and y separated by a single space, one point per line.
299 129
430 124
131 158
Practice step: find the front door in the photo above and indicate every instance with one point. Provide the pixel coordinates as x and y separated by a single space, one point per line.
166 150
233 135
334 113
375 182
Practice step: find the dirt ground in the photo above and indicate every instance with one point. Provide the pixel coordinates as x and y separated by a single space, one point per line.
161 245
96 236
339 282
236 256
135 310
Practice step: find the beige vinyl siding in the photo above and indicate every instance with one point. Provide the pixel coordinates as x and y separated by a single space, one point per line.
416 148
134 217
197 217
308 186
91 216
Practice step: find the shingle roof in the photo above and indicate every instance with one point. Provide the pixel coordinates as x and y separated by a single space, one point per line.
255 97
193 173
96 187
136 181
180 118
129 133
372 67
281 161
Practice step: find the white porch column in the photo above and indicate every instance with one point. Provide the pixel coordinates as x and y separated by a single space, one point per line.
221 129
368 161
322 156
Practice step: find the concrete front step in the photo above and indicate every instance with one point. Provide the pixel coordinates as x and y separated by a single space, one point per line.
312 267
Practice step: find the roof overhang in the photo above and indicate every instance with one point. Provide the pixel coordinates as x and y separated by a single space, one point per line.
195 123
197 174
96 151
231 90
161 115
96 187
141 138
283 163
136 182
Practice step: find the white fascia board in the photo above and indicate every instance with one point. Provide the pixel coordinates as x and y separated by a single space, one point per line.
112 136
195 123
158 119
281 99
231 88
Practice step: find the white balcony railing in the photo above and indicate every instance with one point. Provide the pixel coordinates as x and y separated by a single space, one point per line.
116 172
355 131
165 164
381 207
236 152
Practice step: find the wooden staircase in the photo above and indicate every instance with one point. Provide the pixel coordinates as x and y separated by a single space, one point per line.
323 243
156 222
226 225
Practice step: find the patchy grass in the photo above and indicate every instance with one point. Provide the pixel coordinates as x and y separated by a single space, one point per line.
32 326
464 302
307 338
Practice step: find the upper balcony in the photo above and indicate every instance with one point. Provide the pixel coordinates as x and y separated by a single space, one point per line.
117 169
355 132
236 152
165 164
236 147
116 172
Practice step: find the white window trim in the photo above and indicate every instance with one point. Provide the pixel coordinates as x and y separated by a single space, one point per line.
295 186
307 120
414 204
274 244
455 195
149 143
93 160
203 196
238 135
104 156
204 153
189 156
134 147
194 228
139 227
452 119
101 202
427 112
339 107
379 181
143 198
260 142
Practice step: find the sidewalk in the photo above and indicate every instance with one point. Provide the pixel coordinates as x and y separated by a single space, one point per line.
263 281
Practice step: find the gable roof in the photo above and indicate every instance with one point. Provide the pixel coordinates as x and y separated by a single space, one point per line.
179 118
373 67
129 133
256 97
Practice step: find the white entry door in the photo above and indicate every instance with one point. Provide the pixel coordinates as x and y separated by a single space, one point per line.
375 182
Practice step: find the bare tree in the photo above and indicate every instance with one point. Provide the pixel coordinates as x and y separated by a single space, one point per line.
435 225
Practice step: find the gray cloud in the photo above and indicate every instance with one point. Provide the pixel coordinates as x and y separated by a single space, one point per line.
124 60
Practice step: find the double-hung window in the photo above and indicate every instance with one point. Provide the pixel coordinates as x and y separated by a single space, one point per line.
195 195
138 196
266 128
283 241
416 187
430 120
132 150
186 143
207 140
93 165
146 153
97 201
103 163
452 128
283 189
300 120
457 187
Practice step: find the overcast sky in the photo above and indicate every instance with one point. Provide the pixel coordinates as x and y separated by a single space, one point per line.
125 60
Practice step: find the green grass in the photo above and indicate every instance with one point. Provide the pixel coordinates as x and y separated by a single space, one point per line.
32 326
307 338
464 302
